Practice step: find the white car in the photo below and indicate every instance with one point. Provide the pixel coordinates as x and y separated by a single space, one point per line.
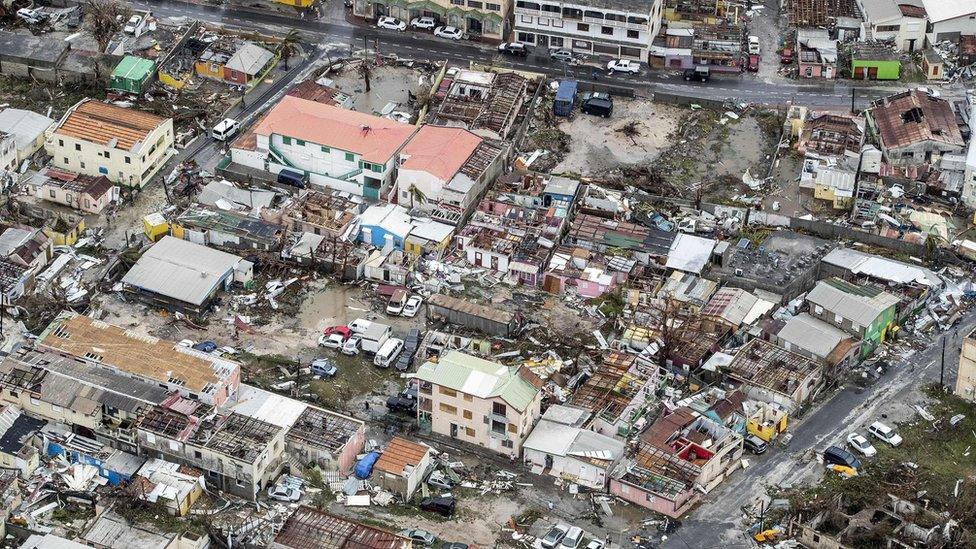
392 23
352 345
563 56
186 343
32 16
754 45
331 341
861 445
132 25
282 492
595 544
453 33
884 433
554 536
412 306
623 65
425 23
931 91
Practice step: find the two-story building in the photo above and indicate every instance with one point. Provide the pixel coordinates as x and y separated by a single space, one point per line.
127 146
900 22
915 127
613 28
867 312
26 128
476 18
334 147
478 401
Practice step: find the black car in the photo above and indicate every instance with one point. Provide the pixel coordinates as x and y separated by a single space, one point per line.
443 505
513 48
698 74
836 455
754 444
598 104
401 404
410 344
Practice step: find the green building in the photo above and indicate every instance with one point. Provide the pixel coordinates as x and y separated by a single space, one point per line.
862 310
132 74
871 61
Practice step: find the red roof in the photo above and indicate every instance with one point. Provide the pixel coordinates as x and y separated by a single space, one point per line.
439 151
375 139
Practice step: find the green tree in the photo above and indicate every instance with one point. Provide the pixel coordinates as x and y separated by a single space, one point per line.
289 45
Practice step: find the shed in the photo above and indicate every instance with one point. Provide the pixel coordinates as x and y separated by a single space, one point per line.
472 315
131 74
402 467
565 98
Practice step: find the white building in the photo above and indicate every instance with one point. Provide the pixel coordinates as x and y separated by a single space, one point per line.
948 19
615 28
561 447
899 22
27 130
336 148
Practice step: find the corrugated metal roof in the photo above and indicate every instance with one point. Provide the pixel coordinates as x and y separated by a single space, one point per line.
857 308
480 378
181 270
812 335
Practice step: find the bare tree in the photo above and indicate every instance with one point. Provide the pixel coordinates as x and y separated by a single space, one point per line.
674 325
105 18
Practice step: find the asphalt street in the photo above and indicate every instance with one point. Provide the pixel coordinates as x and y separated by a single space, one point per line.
738 87
718 521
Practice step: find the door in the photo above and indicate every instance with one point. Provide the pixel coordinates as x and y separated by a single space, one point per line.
454 430
542 40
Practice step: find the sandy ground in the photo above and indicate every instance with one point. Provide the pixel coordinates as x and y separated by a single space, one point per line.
596 147
387 84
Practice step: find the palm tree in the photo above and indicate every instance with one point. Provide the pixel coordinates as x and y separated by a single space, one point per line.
416 194
288 45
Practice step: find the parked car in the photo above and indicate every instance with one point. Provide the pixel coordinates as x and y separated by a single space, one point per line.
419 536
836 455
424 23
597 104
359 325
442 505
564 56
395 306
786 56
332 341
412 306
74 18
353 345
439 479
400 404
861 445
623 65
513 48
228 350
753 65
392 23
32 16
595 544
455 545
186 343
698 74
410 344
573 538
885 433
345 331
554 536
283 492
753 44
754 444
452 33
132 24
323 367
206 346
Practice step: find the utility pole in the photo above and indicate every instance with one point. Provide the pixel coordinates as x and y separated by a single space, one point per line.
366 63
852 101
942 371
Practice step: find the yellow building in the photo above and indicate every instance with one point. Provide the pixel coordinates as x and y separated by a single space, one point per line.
428 237
65 231
155 226
835 186
127 146
966 378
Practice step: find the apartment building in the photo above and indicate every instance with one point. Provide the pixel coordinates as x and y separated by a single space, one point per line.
613 28
899 22
479 19
479 401
334 147
863 310
125 145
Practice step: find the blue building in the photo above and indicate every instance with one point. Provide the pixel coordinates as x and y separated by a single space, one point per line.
384 225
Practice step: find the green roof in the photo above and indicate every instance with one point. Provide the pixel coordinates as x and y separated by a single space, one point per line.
480 378
134 68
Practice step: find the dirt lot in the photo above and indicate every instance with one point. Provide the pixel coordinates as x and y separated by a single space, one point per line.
387 84
600 145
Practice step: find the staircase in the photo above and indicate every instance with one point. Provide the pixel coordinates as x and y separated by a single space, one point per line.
279 157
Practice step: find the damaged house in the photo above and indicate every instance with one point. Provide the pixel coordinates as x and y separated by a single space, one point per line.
866 312
78 191
226 229
914 127
486 103
769 373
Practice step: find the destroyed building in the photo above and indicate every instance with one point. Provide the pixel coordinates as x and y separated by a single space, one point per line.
486 103
914 127
226 229
772 374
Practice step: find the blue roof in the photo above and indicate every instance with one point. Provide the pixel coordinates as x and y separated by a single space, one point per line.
567 90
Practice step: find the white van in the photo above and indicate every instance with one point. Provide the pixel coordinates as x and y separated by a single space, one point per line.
225 129
388 353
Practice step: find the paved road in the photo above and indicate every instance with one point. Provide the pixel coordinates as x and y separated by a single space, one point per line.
745 87
717 522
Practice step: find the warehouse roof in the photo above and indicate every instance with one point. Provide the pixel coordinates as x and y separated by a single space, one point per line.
181 270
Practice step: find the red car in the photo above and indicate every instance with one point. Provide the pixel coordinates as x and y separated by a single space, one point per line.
344 331
753 63
787 56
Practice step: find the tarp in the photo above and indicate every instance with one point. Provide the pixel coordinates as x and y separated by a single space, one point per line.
365 466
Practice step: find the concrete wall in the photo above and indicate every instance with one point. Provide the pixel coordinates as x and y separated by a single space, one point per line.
673 508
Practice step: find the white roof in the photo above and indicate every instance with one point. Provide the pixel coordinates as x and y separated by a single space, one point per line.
390 217
268 407
252 200
941 10
812 335
250 58
882 268
181 270
876 11
558 439
858 308
431 230
690 253
13 238
51 541
26 126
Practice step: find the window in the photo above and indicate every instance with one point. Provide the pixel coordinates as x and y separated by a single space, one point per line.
286 140
838 319
855 327
174 446
77 146
107 154
630 52
448 409
469 431
350 157
150 438
494 7
549 8
556 41
606 30
447 392
466 414
301 143
83 165
378 168
325 149
54 194
475 4
128 160
887 28
572 13
457 2
66 160
35 401
526 19
633 34
468 398
497 427
508 443
60 142
582 27
499 409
